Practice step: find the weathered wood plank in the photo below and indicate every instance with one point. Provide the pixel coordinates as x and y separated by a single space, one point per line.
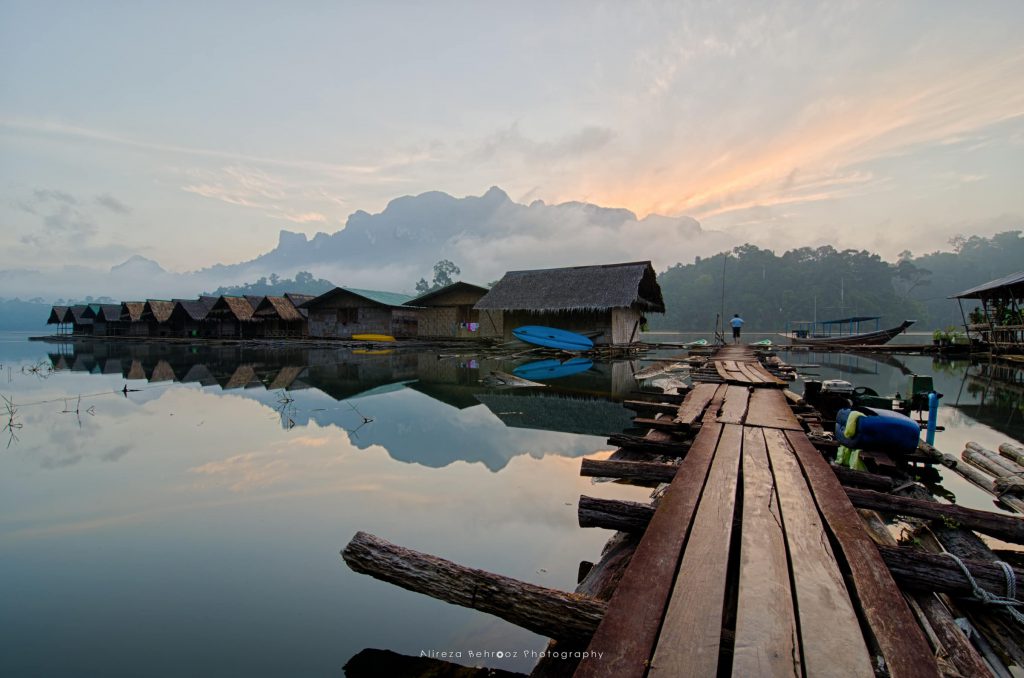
767 642
691 634
822 601
628 631
899 638
734 408
769 408
695 403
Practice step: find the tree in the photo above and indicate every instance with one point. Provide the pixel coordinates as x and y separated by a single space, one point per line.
443 272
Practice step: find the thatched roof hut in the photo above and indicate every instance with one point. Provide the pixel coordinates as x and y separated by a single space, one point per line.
238 308
57 314
606 302
157 310
131 311
281 308
109 313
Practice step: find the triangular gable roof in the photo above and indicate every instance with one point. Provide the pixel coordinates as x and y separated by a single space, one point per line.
280 307
458 285
579 288
131 311
77 315
390 299
239 307
1008 281
57 314
192 309
158 309
109 313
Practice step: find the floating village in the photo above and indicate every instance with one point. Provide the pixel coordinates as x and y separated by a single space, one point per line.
786 534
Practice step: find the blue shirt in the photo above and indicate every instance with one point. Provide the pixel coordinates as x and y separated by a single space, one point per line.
736 322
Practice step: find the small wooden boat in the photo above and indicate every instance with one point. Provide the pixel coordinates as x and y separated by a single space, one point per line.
373 337
842 332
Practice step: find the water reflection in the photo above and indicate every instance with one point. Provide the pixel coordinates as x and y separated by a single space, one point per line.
297 383
997 392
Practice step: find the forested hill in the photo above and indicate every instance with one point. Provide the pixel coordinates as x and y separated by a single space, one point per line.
770 290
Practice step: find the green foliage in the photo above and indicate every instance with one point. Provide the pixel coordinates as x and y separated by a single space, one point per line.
769 290
274 285
443 272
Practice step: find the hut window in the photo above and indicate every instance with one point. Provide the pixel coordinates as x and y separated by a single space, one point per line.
348 315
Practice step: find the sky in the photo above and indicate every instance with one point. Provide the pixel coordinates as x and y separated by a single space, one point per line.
193 132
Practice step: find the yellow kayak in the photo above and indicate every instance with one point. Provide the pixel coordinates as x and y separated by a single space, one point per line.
373 337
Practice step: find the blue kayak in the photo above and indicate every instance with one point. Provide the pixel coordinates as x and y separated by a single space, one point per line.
553 338
552 369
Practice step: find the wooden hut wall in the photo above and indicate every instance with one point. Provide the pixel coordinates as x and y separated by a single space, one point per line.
449 313
625 325
492 324
343 315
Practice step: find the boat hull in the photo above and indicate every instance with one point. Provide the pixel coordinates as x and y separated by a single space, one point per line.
862 339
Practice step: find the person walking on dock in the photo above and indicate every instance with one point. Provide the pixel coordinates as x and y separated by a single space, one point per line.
737 323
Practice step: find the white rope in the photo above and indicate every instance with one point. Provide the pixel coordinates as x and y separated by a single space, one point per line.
1009 601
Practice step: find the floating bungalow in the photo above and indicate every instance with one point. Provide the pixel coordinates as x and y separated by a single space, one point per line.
231 317
131 319
156 315
80 317
188 319
999 321
106 319
58 317
448 313
606 303
344 311
281 318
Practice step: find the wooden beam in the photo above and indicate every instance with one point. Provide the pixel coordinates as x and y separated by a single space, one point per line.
638 471
615 514
548 612
648 445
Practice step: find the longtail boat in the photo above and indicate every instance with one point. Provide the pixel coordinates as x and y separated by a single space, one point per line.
842 332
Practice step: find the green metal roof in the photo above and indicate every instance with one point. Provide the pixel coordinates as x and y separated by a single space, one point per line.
386 298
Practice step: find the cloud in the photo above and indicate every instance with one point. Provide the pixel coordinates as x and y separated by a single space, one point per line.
112 204
511 140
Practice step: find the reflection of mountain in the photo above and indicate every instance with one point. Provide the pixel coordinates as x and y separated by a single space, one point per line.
552 412
999 390
421 407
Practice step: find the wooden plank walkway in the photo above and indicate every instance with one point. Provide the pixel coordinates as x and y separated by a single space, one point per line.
755 562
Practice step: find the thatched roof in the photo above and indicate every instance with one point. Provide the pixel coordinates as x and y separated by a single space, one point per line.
457 286
191 309
109 313
239 307
279 307
158 309
299 299
57 314
389 299
131 311
78 315
580 288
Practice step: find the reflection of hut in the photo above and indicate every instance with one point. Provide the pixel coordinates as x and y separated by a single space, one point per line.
131 318
199 374
280 317
999 321
135 370
57 317
244 376
286 376
343 312
156 315
604 302
80 318
547 412
449 313
232 317
162 372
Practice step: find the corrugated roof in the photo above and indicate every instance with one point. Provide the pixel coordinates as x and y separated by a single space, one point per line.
391 299
1012 280
579 288
457 285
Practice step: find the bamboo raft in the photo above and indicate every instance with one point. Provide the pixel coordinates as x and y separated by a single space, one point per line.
756 557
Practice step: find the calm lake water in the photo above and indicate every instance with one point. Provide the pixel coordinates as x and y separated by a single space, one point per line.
192 524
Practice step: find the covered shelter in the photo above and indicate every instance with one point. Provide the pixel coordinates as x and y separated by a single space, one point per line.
606 302
131 319
448 313
231 317
57 317
188 319
80 317
106 320
156 314
280 317
345 311
999 320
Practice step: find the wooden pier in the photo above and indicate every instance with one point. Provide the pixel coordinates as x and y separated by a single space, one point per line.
757 558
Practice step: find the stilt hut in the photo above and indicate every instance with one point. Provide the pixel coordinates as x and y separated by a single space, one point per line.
57 317
131 318
188 319
343 311
448 313
999 320
231 317
80 318
605 302
280 318
156 314
106 320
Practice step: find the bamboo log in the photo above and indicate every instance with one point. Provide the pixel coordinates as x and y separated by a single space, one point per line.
1013 452
548 612
648 445
636 471
1009 528
1010 467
